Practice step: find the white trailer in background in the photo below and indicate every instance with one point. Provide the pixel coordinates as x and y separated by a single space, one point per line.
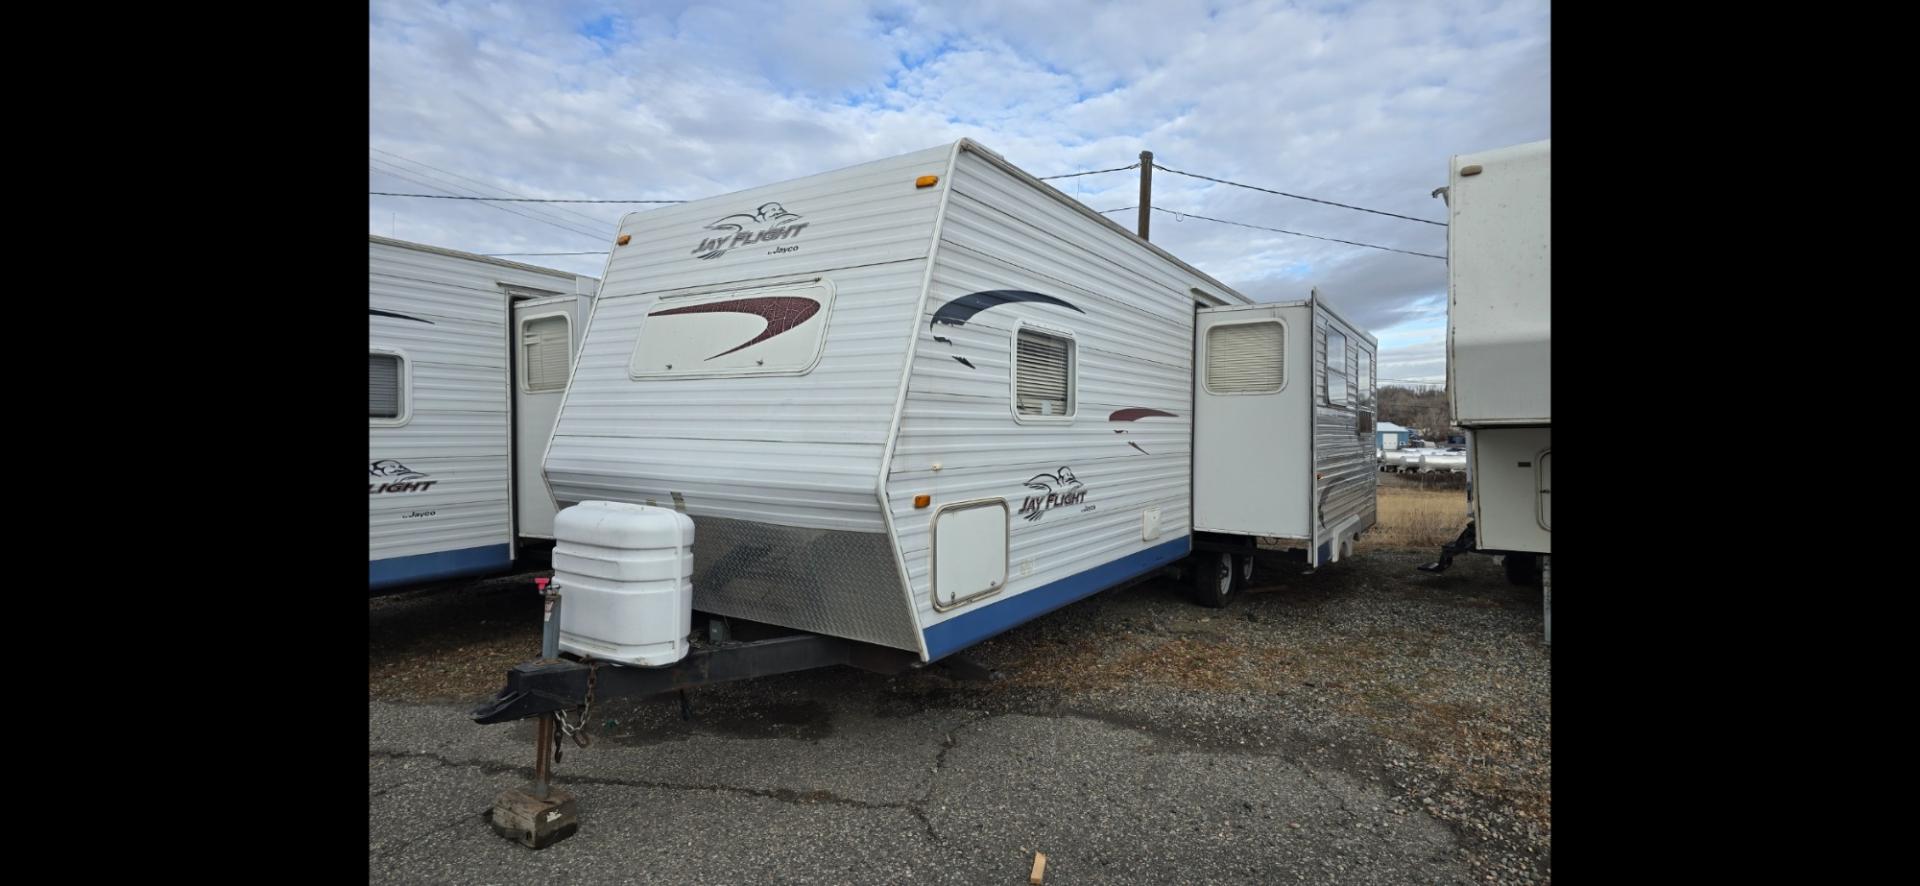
917 402
467 357
1499 354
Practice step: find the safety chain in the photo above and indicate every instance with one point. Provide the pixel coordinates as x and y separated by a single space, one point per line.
579 733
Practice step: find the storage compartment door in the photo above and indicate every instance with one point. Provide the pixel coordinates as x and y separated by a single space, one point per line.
969 551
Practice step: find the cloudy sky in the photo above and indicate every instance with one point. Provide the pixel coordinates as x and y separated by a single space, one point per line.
1355 102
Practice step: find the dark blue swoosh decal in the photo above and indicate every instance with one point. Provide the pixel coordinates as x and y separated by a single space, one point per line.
375 312
958 311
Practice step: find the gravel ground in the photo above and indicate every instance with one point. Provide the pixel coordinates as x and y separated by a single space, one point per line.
1401 718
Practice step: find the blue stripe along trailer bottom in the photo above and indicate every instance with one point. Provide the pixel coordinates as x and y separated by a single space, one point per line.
958 633
395 571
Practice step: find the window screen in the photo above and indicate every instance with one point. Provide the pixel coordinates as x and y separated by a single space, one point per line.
1043 374
1246 358
544 343
383 386
1336 369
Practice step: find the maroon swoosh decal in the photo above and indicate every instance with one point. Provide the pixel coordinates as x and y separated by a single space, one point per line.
782 313
1134 413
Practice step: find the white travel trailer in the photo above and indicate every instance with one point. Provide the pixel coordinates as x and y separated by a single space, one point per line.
1499 354
916 402
466 360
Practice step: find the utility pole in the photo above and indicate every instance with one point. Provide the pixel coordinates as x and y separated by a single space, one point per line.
1146 190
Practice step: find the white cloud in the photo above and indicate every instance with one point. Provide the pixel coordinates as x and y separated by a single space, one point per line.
1356 102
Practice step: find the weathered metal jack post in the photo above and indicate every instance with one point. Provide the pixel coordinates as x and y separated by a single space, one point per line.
540 815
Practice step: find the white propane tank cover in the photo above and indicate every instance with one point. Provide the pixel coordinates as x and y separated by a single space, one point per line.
626 582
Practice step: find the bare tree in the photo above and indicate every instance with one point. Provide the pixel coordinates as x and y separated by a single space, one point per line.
1423 411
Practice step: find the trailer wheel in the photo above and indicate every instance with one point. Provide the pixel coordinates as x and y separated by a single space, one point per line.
1217 577
1523 569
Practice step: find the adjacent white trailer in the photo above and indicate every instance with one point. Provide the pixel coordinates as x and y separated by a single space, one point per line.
467 357
1499 348
916 402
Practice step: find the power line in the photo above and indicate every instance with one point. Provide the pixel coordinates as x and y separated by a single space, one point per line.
507 209
466 178
511 199
1297 233
491 200
1296 196
1134 165
437 183
1279 230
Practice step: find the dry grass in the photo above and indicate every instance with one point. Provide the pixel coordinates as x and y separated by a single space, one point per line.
1417 518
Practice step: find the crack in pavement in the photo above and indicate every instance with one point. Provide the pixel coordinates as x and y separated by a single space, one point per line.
916 808
452 823
784 795
947 743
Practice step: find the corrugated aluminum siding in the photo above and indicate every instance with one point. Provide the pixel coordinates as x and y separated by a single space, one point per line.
1346 474
1133 336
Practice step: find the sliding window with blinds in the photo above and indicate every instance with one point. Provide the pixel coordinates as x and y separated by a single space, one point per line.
1043 375
544 345
1247 358
384 400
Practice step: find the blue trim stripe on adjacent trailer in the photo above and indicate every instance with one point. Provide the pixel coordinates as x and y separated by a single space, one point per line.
958 633
439 564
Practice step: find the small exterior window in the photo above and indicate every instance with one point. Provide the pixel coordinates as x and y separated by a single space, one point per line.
1336 369
1363 380
1043 374
385 397
544 346
1247 358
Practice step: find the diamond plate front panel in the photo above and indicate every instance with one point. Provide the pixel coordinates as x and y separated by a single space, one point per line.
833 582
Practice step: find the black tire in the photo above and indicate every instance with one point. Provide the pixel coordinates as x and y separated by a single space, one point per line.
1523 570
1217 578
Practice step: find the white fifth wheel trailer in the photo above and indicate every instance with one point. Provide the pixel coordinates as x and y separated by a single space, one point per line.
916 402
1499 353
466 359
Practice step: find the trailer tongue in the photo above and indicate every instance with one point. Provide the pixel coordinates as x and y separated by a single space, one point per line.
547 686
539 814
622 597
